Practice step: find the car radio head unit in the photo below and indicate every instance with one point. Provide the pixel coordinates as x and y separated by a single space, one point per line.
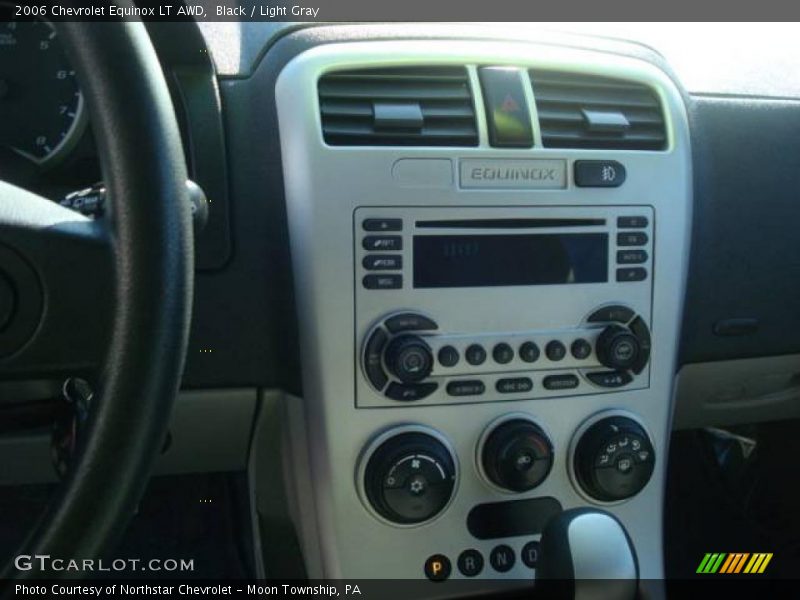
459 305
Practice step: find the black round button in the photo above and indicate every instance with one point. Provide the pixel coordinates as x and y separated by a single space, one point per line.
470 563
580 349
517 455
617 347
502 558
410 478
475 354
437 567
529 352
409 358
503 353
448 356
530 554
555 350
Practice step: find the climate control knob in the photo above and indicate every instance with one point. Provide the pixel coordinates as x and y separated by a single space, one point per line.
517 455
409 358
613 459
618 348
410 477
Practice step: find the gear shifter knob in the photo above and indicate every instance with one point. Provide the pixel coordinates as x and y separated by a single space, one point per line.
587 554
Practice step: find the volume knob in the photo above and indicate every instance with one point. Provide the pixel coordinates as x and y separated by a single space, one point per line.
617 347
409 358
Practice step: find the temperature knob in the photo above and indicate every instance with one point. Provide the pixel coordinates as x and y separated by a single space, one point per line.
410 478
517 455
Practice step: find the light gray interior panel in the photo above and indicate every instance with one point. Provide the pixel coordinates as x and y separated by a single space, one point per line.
328 191
731 392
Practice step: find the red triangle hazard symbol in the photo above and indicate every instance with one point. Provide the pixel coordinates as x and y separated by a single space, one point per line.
509 104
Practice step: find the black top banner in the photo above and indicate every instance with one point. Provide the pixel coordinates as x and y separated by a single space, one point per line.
400 11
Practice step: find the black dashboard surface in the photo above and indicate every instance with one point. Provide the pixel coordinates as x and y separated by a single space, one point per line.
744 260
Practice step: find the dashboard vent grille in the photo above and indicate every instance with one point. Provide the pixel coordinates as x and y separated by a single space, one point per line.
586 111
398 106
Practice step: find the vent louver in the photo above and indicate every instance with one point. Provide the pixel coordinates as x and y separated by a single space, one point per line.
586 111
398 106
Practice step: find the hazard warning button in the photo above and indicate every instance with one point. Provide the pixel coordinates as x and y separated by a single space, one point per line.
507 111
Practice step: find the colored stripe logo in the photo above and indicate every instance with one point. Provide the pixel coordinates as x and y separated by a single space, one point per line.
735 562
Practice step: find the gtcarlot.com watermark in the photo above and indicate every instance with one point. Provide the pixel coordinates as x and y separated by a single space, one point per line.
45 562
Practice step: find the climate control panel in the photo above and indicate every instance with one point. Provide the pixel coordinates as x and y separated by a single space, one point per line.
406 358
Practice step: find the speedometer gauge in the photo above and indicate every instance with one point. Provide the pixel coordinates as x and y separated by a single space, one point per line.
41 107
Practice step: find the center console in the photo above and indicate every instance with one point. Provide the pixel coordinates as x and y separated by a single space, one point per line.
489 243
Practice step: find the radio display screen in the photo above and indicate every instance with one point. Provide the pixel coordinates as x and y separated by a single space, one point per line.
452 261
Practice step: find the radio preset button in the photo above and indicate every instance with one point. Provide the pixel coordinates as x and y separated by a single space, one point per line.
383 282
632 222
529 352
514 385
560 382
610 379
503 353
599 173
466 388
448 356
632 274
632 238
410 322
555 350
580 349
475 355
409 392
382 262
385 243
382 224
631 257
617 314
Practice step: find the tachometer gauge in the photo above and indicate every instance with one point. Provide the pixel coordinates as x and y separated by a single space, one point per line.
41 107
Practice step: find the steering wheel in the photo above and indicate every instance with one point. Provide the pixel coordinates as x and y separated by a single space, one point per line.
55 264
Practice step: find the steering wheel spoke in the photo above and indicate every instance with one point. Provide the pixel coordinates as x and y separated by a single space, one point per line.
53 261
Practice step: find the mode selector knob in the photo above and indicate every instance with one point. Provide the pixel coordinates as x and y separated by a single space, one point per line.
618 348
614 459
409 358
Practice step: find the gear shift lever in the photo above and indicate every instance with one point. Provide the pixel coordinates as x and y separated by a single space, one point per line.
587 554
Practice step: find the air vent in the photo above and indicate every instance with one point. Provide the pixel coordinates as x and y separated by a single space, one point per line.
585 111
399 106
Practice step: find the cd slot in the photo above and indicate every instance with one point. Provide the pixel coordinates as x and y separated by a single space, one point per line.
509 223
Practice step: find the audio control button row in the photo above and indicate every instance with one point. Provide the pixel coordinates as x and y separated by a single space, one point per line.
472 387
610 379
514 385
409 322
566 381
409 392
